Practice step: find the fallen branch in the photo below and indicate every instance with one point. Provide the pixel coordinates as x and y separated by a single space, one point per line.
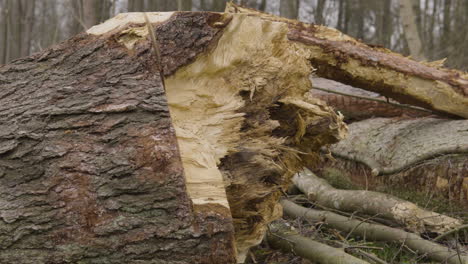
373 203
376 100
448 233
376 232
282 237
358 104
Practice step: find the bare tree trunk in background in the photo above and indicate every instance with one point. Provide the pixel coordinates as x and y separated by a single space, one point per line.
95 11
75 24
433 18
384 23
47 30
15 30
289 8
361 7
318 14
89 13
135 5
411 30
249 3
184 5
344 15
202 5
340 23
5 28
103 10
161 5
447 18
218 5
262 5
28 22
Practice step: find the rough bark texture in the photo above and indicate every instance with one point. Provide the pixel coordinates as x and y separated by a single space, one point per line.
339 57
355 107
90 171
425 154
411 31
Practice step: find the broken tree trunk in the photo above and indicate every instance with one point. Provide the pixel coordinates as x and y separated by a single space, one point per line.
424 154
110 153
341 58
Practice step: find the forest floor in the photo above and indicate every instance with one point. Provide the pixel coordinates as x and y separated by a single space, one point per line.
391 253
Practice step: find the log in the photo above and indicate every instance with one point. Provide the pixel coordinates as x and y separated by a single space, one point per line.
424 154
339 57
376 232
373 204
356 104
116 150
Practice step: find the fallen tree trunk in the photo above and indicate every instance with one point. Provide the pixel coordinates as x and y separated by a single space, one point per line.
341 58
116 150
357 104
426 154
373 204
375 232
287 240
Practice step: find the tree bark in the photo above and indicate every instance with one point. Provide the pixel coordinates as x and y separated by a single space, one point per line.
110 153
357 104
411 31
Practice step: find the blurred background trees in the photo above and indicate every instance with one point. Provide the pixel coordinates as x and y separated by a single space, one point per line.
426 29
